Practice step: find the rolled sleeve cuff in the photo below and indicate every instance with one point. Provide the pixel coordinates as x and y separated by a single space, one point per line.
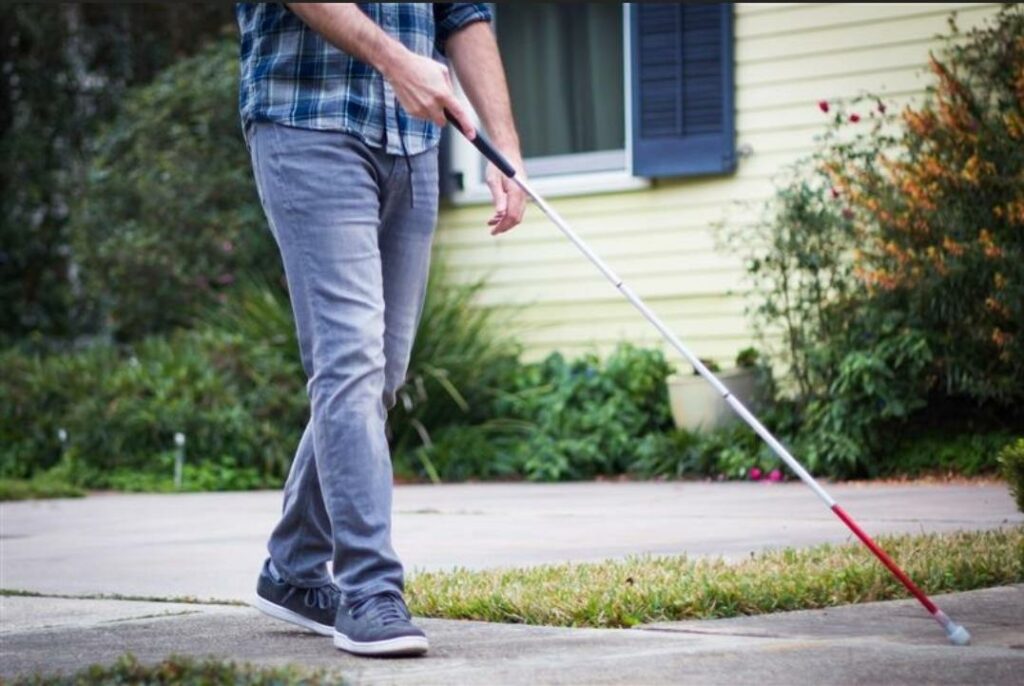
450 18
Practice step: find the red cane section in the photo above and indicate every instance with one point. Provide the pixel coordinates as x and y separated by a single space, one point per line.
886 560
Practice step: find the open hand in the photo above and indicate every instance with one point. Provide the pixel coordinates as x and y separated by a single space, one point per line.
509 198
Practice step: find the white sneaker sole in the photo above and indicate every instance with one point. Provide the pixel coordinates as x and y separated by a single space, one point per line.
284 614
402 645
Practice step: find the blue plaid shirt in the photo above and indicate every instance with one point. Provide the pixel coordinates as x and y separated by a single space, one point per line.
293 76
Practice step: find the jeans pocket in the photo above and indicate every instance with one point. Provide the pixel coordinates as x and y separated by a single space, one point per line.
425 180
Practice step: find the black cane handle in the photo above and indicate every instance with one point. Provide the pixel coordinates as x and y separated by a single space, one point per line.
485 148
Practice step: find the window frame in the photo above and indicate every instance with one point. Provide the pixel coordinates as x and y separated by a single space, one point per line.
585 173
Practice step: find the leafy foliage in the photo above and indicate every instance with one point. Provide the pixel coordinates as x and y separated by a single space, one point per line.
889 263
169 217
1011 459
39 487
237 402
957 451
946 211
460 363
587 417
66 68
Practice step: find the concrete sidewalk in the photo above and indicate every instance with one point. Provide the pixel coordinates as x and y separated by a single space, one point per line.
877 643
211 545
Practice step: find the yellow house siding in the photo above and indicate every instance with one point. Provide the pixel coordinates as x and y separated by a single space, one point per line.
660 240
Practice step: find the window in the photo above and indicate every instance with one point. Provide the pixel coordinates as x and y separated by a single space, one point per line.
564 64
608 96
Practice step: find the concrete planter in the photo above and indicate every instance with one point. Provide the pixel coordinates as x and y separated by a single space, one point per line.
696 406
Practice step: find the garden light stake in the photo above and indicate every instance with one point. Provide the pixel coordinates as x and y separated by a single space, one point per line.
957 634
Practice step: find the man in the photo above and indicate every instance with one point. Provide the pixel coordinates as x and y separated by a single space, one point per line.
341 106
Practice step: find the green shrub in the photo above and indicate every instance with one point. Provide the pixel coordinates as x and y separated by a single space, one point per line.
557 420
461 362
552 420
169 217
39 487
854 371
235 388
54 97
236 401
587 417
466 452
946 452
1011 459
889 265
218 474
946 211
875 388
672 454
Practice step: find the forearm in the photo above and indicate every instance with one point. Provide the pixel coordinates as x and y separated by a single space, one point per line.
346 27
473 53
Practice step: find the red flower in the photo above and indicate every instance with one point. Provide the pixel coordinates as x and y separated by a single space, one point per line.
854 117
835 193
881 107
823 106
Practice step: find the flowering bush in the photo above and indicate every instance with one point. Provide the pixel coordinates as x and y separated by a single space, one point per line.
890 265
944 215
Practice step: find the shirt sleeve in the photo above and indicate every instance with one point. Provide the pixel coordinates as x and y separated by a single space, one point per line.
450 17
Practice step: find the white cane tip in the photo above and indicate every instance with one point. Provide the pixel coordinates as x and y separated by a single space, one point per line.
958 635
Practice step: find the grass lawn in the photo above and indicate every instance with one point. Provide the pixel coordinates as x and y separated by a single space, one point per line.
650 589
183 670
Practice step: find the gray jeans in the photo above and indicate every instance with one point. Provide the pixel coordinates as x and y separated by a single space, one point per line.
354 226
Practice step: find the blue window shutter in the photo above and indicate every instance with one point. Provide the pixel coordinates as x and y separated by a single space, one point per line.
682 89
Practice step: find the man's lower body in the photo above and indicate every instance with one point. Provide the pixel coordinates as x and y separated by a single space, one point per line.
354 226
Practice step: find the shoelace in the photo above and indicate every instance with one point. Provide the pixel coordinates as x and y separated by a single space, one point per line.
386 608
323 597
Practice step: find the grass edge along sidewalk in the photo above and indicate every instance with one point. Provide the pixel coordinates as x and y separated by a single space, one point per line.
638 590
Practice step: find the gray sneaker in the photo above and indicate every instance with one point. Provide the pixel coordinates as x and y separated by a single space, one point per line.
310 608
378 625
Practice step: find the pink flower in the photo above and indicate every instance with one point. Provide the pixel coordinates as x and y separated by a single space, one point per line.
775 475
228 247
854 117
755 474
823 106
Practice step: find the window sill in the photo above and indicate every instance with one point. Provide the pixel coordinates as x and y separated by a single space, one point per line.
563 185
